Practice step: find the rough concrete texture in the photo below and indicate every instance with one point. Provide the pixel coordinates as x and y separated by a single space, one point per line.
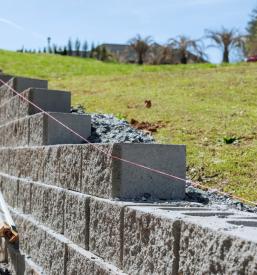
31 268
10 110
54 253
5 92
71 167
105 229
51 132
24 196
80 261
20 161
208 243
76 218
15 133
140 239
96 162
39 129
64 211
4 164
114 178
151 243
87 169
50 164
205 251
47 205
9 189
46 248
19 84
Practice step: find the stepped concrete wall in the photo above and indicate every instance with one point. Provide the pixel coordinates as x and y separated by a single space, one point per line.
78 210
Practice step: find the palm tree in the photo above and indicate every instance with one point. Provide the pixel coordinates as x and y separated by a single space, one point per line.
226 40
141 46
184 45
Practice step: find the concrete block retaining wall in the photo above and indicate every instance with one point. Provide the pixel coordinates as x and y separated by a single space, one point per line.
75 206
86 169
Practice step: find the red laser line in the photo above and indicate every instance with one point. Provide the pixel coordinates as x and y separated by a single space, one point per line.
115 157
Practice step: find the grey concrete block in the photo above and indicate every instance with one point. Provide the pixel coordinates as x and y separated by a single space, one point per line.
115 178
46 131
97 170
24 196
151 243
76 218
5 78
31 268
4 163
80 261
70 167
106 229
5 92
48 100
38 195
39 129
53 258
47 206
135 181
96 173
15 133
207 251
9 110
19 84
20 160
57 134
10 190
31 236
51 164
46 248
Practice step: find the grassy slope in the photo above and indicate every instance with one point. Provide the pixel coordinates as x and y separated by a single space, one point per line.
200 104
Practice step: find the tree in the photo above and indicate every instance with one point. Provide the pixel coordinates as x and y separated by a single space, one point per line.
64 50
55 51
184 45
251 42
70 47
85 48
77 47
92 50
49 45
226 40
104 54
141 46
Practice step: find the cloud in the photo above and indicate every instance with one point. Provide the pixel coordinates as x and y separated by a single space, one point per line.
20 28
11 23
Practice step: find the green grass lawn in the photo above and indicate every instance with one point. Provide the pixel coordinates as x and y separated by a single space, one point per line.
201 106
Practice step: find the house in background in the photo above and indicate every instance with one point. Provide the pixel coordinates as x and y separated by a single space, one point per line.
157 54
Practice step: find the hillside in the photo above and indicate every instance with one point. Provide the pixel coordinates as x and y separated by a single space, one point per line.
212 109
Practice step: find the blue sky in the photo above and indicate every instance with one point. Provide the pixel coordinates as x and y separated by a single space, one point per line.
28 23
